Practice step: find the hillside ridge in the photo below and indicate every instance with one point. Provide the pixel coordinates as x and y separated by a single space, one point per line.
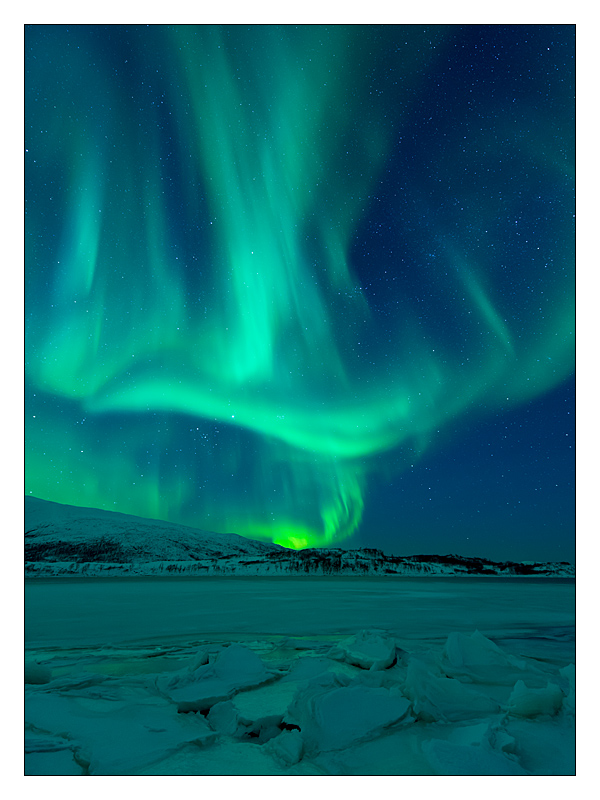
71 540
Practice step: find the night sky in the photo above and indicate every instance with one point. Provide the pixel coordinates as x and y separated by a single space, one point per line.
313 285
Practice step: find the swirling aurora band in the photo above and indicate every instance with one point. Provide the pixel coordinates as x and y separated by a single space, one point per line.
205 342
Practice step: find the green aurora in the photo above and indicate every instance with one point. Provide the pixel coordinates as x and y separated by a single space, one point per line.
200 344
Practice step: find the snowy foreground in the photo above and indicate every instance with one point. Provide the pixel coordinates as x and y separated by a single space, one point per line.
283 677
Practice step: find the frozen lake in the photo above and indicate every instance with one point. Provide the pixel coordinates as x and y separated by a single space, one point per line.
538 614
299 676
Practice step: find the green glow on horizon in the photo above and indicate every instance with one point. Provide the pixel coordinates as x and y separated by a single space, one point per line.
268 342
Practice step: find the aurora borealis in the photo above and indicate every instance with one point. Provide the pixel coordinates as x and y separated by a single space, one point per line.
305 283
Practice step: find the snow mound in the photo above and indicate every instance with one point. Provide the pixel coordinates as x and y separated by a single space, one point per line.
368 649
333 712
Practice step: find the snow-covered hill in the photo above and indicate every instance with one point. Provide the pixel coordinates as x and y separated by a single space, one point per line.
68 540
56 532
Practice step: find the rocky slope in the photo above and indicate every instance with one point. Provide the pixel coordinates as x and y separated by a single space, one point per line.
67 540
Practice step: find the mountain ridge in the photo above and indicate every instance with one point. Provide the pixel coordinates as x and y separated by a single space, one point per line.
72 540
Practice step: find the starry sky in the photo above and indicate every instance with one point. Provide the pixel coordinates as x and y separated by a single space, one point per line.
310 284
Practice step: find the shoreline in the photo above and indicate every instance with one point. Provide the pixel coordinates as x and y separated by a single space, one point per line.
199 577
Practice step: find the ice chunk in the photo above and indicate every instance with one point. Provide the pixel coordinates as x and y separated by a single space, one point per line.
54 762
439 698
198 660
501 740
332 714
401 752
448 758
525 702
489 735
236 667
68 683
368 649
477 659
265 701
223 718
546 746
50 755
305 668
260 730
287 748
230 758
117 742
470 734
568 673
37 673
240 666
462 650
46 744
395 752
226 719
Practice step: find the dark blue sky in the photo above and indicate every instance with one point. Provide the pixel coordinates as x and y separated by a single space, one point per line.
501 489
